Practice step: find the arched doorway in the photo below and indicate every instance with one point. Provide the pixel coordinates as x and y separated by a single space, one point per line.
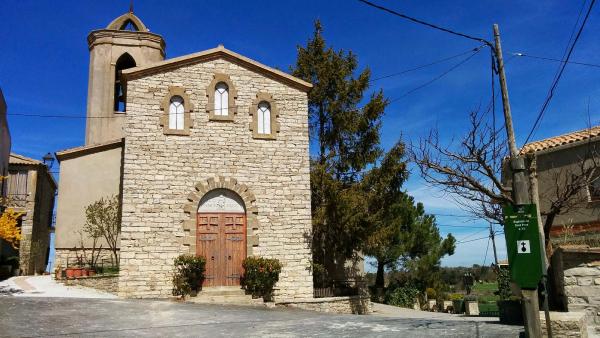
221 236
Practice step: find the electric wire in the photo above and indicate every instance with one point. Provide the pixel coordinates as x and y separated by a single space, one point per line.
559 75
423 66
425 84
430 25
480 238
556 60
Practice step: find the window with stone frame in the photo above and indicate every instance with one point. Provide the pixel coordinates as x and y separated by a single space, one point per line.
177 107
221 96
176 113
264 114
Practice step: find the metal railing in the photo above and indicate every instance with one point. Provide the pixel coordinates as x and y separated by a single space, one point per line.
340 288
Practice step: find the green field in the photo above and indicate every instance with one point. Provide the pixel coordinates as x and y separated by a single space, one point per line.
486 297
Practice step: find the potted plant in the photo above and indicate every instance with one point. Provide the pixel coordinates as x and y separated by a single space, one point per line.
509 307
457 303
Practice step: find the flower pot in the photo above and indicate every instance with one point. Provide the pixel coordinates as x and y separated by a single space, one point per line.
510 312
77 272
84 272
70 272
471 308
91 272
458 306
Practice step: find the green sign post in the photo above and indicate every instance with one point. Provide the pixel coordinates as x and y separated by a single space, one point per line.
523 244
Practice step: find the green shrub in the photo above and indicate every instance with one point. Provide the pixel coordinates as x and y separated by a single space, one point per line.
260 275
188 275
457 296
504 291
402 296
431 294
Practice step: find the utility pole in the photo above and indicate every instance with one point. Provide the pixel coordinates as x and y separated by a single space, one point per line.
520 191
493 243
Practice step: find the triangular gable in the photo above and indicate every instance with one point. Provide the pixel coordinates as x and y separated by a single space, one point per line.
213 54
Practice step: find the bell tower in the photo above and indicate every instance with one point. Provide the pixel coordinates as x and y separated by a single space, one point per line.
124 43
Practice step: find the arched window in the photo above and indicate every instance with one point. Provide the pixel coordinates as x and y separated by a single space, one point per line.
177 106
264 114
125 61
264 118
176 113
221 96
221 99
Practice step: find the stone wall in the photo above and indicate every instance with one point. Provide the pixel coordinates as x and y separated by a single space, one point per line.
160 172
68 257
565 324
106 283
349 304
576 276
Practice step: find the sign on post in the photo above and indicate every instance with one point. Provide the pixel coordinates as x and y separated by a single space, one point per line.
523 244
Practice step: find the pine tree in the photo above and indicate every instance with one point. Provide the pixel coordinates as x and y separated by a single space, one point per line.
400 233
347 139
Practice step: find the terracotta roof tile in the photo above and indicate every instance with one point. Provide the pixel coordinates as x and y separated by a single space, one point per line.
576 136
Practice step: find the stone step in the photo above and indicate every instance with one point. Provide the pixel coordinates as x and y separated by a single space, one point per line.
223 299
222 291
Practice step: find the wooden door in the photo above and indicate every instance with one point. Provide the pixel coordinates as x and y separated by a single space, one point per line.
221 239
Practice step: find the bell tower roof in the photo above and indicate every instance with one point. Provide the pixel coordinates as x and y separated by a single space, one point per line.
128 21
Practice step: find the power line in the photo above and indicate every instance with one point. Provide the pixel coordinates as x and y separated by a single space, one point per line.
461 226
430 25
423 66
437 77
123 114
480 238
556 60
562 67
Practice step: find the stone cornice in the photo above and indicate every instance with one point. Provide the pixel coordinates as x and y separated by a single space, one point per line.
212 54
109 36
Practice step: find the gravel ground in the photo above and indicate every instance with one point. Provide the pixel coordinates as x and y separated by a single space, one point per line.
45 286
69 317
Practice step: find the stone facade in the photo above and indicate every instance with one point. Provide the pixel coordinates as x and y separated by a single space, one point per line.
163 173
576 281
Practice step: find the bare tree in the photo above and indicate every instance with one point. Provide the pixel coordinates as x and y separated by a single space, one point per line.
103 217
470 171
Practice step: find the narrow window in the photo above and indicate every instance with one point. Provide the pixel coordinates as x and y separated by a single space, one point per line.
221 99
264 118
176 113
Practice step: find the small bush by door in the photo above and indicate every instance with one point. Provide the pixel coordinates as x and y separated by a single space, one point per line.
188 275
260 275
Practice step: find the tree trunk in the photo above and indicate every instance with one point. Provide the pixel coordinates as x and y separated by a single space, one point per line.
379 280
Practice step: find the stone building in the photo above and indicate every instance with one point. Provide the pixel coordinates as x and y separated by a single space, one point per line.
553 162
208 153
30 191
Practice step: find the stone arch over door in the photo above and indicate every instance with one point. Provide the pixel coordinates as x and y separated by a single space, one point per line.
204 187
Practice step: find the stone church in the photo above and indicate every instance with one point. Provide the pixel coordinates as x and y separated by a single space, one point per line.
207 152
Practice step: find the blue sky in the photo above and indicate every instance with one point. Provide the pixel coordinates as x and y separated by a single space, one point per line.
44 66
